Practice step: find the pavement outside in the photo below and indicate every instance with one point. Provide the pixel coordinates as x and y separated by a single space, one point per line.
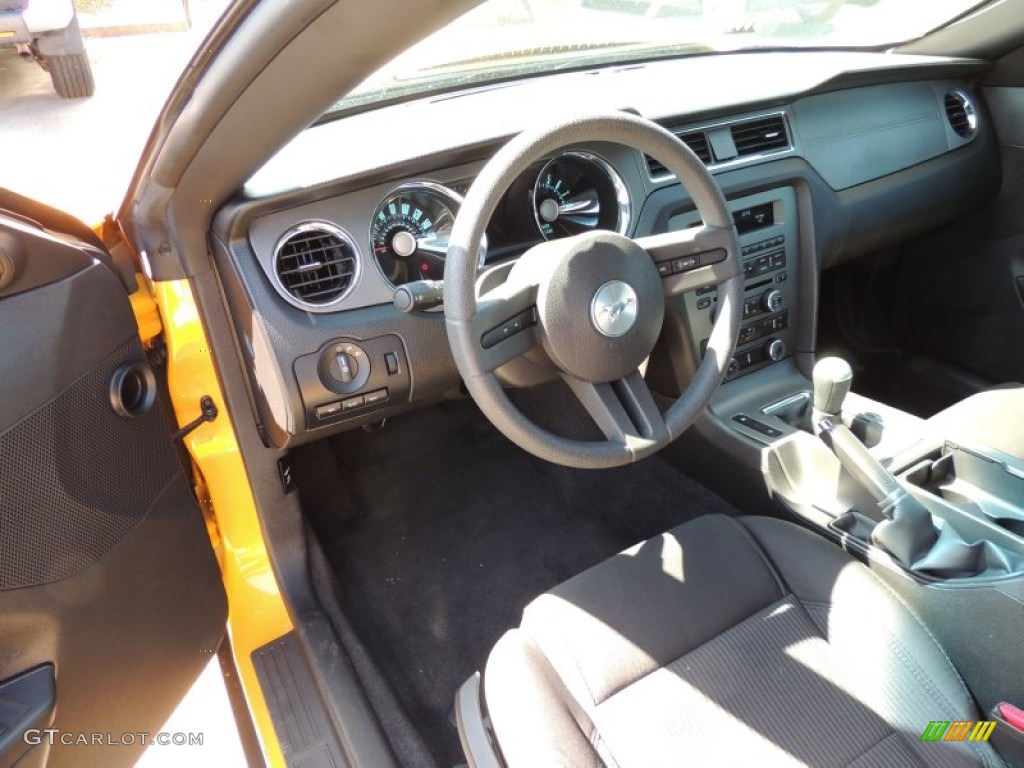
79 154
206 710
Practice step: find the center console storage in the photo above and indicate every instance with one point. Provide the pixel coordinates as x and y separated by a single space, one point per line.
985 487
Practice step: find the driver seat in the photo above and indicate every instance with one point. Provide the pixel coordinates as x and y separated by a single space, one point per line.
725 642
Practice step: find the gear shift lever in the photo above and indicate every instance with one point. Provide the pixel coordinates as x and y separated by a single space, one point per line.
832 380
908 532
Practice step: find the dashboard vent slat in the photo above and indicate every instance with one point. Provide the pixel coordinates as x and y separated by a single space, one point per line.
315 263
695 140
960 113
765 134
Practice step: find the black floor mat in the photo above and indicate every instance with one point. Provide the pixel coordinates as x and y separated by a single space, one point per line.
457 531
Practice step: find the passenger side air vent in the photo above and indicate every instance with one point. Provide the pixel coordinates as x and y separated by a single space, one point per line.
761 135
315 263
695 140
961 115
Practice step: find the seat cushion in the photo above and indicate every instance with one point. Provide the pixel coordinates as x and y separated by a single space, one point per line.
725 642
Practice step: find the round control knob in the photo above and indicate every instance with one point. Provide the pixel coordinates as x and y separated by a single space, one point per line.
775 350
771 301
732 370
344 367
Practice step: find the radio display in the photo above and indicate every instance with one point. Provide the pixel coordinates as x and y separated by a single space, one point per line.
755 217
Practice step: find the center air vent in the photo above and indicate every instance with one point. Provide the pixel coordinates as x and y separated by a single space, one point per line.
764 134
315 263
960 113
695 140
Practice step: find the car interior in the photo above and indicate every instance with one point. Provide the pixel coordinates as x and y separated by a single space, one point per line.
604 415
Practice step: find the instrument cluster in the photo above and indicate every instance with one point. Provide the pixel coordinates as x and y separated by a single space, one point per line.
570 193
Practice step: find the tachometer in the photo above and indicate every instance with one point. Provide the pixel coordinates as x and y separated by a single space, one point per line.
579 192
410 231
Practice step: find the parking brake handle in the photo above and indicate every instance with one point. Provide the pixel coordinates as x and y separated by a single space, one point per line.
906 530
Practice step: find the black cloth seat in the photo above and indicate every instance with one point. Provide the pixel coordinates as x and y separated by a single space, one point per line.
725 642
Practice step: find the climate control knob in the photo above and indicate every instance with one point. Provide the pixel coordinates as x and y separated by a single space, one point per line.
771 301
732 370
774 350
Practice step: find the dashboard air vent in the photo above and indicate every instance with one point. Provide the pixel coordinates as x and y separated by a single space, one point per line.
695 140
960 113
315 263
763 134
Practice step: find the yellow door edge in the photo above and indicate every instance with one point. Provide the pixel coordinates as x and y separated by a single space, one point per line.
257 614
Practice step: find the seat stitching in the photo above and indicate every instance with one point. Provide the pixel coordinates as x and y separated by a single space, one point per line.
594 735
903 654
772 606
746 534
899 598
888 736
604 755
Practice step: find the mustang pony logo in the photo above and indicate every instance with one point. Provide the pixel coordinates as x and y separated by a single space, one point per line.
616 308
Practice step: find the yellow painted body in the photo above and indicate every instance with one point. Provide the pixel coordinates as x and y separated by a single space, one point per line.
256 611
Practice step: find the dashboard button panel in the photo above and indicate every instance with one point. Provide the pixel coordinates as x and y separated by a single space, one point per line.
768 257
377 373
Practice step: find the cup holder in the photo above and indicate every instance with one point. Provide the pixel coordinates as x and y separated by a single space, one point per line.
133 390
976 483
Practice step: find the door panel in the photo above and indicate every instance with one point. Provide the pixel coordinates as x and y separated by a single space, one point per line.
106 569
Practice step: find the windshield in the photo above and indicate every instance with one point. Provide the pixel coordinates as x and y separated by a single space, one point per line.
509 38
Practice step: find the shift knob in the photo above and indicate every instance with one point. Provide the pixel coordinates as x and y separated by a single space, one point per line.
832 380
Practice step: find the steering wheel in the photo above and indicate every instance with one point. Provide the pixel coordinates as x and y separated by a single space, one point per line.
593 302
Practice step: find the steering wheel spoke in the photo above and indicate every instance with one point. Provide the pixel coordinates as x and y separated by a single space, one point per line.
505 324
624 410
694 258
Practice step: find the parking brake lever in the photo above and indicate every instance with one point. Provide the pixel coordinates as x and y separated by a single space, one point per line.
906 530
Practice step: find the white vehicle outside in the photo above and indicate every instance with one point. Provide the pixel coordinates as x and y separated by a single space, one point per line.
47 32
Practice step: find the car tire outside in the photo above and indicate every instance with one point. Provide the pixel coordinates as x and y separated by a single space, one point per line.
71 75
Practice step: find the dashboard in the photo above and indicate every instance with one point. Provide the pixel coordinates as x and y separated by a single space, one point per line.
310 255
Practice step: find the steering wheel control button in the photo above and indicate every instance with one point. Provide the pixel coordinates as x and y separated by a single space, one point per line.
686 263
716 256
344 368
509 328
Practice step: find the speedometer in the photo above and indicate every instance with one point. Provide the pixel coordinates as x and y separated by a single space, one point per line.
579 192
410 232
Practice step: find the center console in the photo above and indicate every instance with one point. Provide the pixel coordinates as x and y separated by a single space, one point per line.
767 228
936 507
